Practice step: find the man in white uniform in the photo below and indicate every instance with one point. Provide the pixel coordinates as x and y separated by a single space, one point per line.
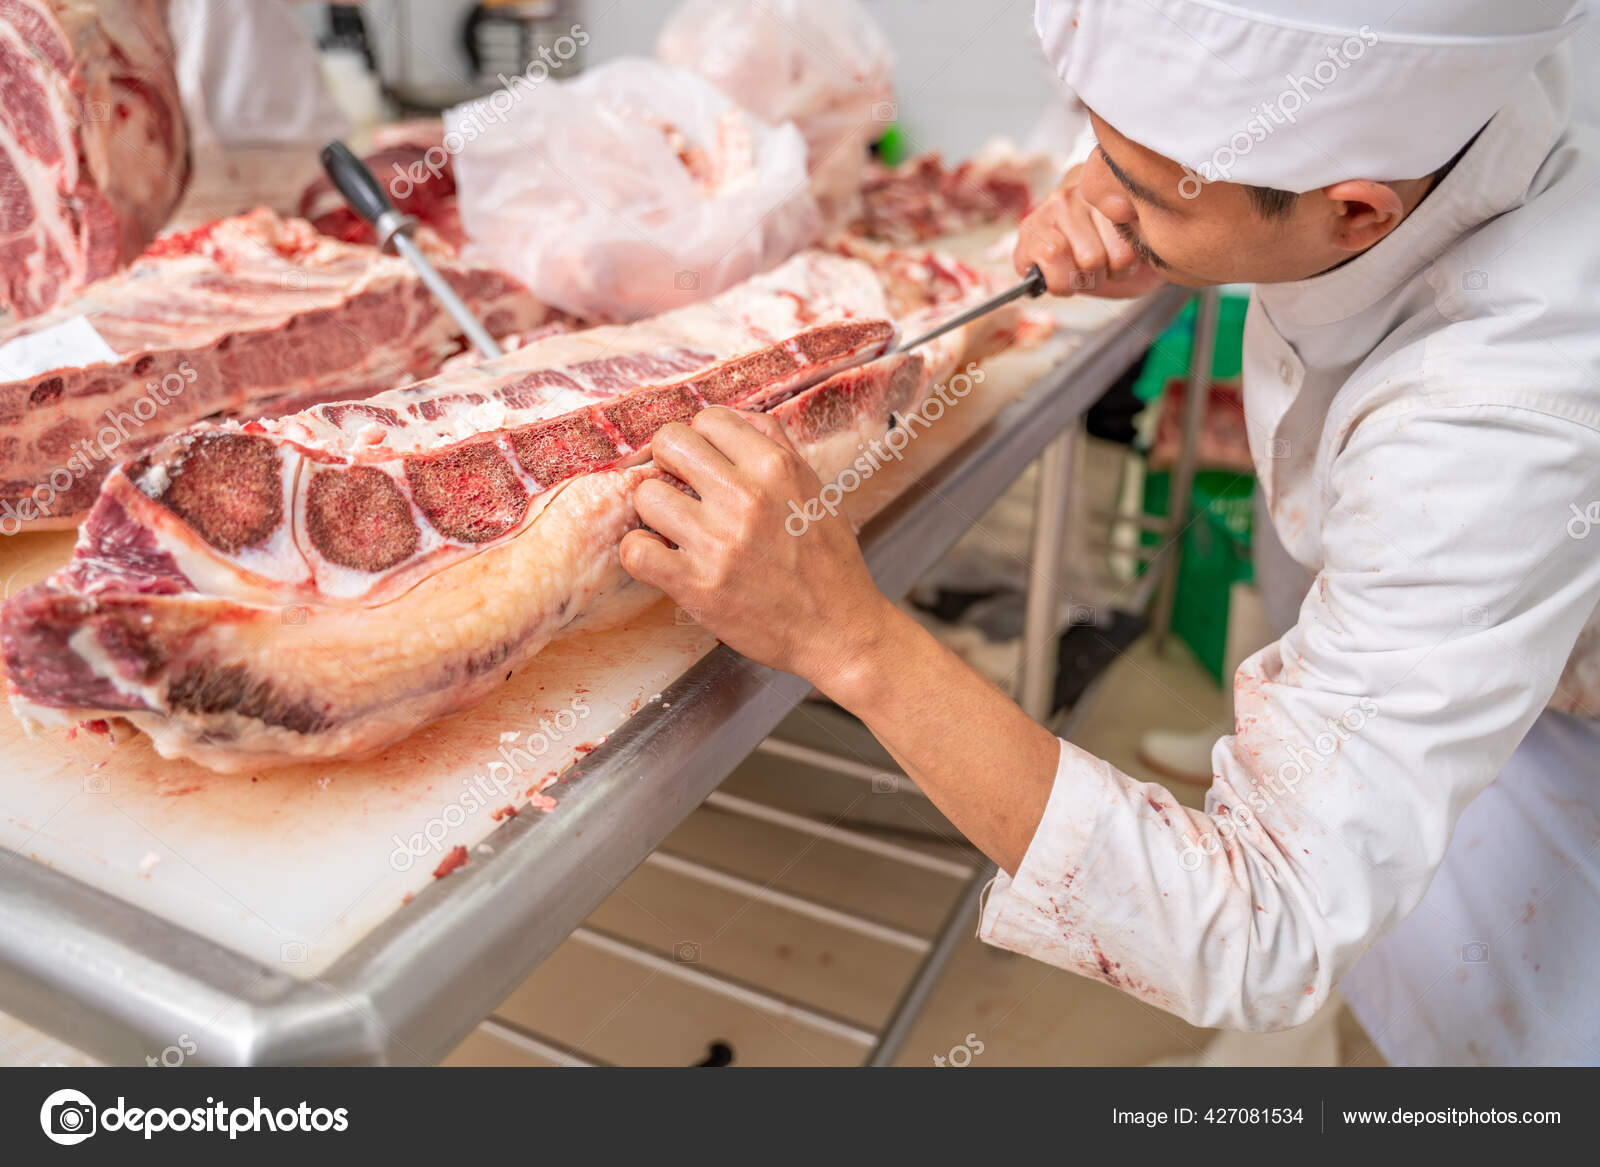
1410 805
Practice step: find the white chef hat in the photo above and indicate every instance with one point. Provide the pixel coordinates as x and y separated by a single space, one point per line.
1298 94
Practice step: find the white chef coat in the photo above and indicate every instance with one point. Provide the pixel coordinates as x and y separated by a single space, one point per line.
1425 422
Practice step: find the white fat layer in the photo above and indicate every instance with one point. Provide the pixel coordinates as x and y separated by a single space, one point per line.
482 418
85 645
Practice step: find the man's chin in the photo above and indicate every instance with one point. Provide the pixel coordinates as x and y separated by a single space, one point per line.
1189 280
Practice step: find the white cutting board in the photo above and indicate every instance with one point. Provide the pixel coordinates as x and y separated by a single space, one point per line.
293 866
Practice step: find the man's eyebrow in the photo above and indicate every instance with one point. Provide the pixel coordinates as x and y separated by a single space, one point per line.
1136 189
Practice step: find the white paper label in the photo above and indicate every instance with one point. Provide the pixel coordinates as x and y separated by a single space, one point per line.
71 344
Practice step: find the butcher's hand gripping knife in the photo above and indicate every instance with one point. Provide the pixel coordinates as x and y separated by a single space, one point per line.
361 190
1033 286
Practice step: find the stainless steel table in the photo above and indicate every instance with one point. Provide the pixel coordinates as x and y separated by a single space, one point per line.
117 982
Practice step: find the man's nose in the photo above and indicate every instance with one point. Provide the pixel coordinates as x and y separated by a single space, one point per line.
1104 193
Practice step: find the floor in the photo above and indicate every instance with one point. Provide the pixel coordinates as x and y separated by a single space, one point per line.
988 1008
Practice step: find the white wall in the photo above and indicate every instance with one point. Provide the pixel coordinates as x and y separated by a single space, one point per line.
966 70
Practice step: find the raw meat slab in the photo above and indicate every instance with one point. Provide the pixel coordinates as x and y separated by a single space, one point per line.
93 145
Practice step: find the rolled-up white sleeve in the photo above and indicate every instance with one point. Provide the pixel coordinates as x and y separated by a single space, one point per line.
1452 593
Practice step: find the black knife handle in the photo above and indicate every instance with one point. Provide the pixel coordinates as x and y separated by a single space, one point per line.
355 182
1035 282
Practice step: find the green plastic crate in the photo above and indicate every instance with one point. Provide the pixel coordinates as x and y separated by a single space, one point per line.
1169 355
1216 549
1216 555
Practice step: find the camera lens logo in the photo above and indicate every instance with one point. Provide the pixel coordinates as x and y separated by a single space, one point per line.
68 1117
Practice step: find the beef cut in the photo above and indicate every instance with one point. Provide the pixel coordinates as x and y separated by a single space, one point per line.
922 198
321 585
93 146
247 315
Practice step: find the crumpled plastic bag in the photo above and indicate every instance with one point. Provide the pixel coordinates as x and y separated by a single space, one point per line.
823 64
632 189
250 76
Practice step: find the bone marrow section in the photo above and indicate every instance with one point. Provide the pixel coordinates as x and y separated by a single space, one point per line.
639 415
469 494
564 446
736 380
358 518
829 343
228 487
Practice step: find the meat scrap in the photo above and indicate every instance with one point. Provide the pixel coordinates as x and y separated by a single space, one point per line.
430 540
455 858
922 198
93 147
248 315
1222 442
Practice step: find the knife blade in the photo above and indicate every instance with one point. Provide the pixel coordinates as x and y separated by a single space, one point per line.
1032 287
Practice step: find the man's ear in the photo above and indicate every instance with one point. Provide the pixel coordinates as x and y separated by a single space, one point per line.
1363 212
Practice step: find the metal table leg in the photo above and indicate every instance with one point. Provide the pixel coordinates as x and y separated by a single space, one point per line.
1040 626
951 933
1197 395
1041 619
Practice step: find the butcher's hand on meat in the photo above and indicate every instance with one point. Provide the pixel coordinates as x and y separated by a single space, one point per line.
1078 249
785 584
763 589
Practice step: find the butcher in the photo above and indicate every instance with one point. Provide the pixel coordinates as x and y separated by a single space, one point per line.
1409 806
